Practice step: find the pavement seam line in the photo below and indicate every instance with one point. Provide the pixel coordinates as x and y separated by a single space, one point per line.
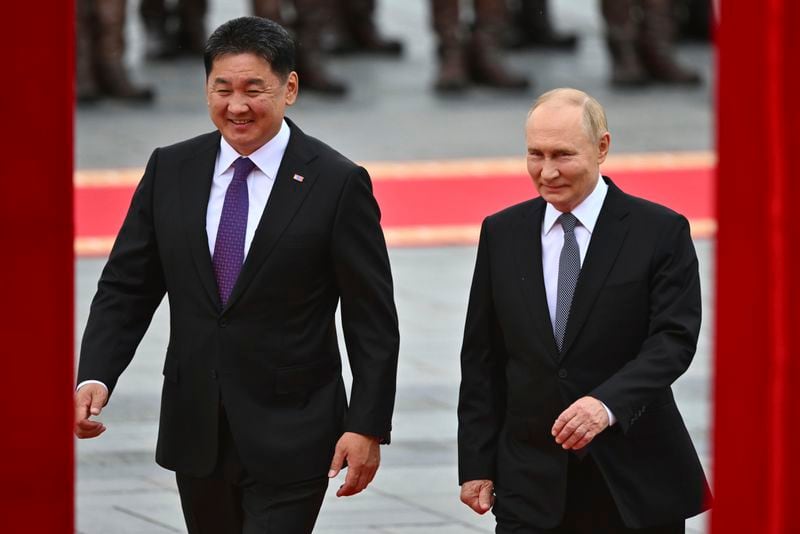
424 508
146 519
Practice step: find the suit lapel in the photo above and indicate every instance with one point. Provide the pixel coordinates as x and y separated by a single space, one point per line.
284 200
606 242
196 175
528 247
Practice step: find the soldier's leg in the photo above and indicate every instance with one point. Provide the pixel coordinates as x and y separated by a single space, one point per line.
109 52
536 27
622 22
269 9
360 31
452 73
485 55
192 26
312 20
86 89
655 44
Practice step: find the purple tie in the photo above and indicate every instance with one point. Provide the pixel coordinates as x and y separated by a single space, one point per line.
229 247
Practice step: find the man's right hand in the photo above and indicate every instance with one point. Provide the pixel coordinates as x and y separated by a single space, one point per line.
478 495
89 401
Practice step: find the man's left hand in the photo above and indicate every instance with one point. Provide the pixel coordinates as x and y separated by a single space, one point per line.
578 425
363 456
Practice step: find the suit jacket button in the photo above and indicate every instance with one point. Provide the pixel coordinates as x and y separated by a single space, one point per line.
223 322
562 373
214 374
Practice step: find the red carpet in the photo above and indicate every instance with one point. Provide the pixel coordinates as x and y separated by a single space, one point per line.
436 203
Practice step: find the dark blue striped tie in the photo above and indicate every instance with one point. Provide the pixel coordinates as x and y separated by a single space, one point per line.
569 267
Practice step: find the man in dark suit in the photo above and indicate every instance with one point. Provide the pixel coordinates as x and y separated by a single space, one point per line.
256 232
584 309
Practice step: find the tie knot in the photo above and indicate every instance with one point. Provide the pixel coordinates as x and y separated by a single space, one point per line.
568 222
242 168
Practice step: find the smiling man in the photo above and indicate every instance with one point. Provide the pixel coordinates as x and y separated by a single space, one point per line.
256 232
584 309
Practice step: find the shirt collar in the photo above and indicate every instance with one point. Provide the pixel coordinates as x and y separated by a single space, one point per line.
267 158
586 212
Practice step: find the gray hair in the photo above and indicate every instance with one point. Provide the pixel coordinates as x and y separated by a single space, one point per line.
594 116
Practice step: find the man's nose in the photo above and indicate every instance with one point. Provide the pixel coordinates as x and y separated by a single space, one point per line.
237 104
549 170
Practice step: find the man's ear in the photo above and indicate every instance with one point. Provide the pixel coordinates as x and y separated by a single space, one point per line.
603 146
292 87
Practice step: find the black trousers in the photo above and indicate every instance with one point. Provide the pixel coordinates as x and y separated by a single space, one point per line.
590 508
230 501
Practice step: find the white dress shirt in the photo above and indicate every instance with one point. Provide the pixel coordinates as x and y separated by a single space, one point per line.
587 213
259 184
267 159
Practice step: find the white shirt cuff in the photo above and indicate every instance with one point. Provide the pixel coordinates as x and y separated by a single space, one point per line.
105 386
611 418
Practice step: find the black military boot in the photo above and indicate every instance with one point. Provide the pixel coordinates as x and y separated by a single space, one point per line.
359 33
535 28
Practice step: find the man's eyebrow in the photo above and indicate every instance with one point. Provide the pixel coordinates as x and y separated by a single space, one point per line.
251 81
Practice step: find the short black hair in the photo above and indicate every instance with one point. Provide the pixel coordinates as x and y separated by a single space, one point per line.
253 35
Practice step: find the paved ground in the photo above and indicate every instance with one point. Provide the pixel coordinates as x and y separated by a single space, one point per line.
391 115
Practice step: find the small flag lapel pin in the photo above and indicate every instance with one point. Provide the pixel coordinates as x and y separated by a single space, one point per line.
298 178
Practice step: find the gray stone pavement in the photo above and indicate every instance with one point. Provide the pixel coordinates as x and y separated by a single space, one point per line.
390 115
121 490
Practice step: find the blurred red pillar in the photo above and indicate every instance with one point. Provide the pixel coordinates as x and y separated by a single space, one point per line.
36 443
757 390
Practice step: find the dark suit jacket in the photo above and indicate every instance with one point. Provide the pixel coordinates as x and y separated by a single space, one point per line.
632 331
271 355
